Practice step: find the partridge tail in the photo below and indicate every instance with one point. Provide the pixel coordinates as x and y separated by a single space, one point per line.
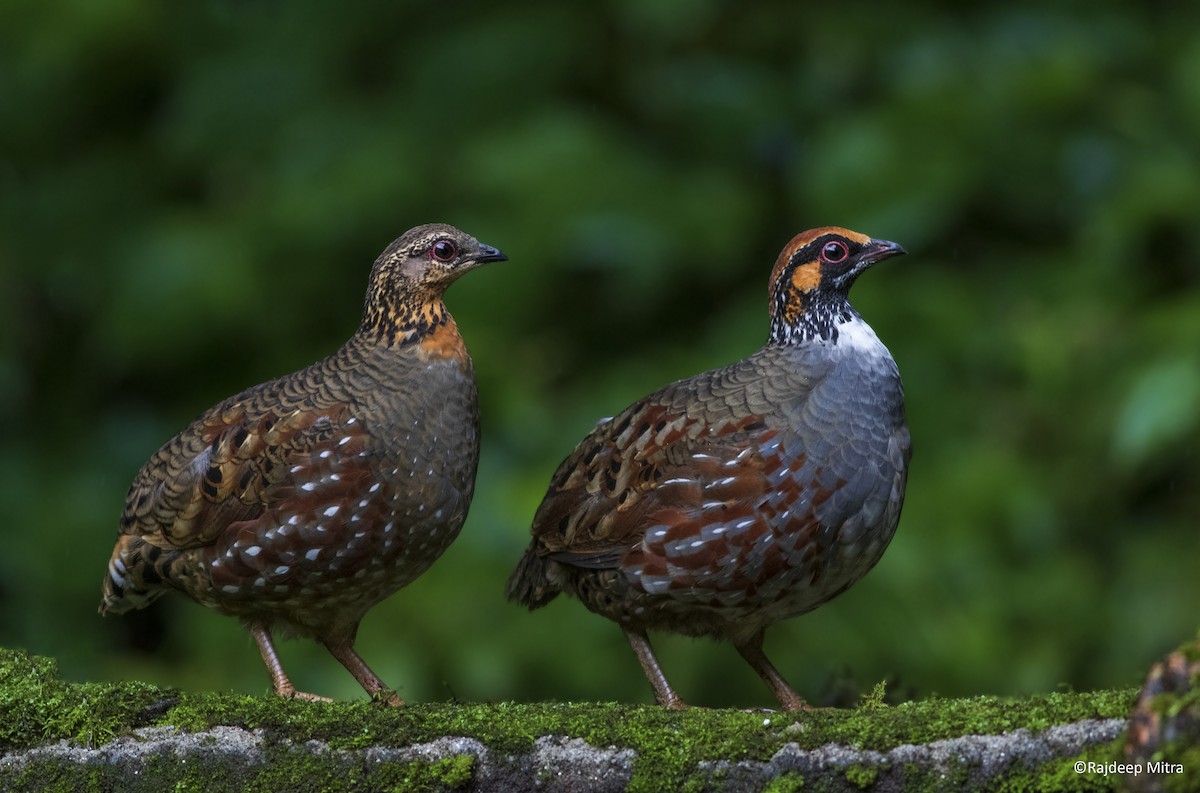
530 583
134 578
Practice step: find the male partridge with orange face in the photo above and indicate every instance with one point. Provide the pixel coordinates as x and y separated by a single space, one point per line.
745 495
300 503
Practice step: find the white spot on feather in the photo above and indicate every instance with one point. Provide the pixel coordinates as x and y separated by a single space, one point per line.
253 550
656 585
329 513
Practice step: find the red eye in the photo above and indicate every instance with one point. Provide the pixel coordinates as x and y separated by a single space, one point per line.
835 252
444 250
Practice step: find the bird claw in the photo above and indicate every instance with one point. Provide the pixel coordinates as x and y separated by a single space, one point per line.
304 695
387 697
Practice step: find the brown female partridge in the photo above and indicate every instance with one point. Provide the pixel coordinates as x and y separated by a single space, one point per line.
299 504
728 501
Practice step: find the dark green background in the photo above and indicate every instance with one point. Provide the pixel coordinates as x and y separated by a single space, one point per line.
192 195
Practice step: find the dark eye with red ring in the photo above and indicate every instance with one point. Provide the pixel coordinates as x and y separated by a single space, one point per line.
444 250
835 252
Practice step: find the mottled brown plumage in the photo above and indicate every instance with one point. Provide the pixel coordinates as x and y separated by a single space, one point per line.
300 503
728 501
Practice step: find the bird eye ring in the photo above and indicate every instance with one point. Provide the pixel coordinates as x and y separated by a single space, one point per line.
444 250
835 252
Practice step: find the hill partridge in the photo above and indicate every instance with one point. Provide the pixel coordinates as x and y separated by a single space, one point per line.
731 500
300 503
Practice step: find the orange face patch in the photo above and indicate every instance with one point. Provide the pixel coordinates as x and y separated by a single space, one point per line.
806 277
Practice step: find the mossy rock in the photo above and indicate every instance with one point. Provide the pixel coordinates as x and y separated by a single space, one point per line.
133 736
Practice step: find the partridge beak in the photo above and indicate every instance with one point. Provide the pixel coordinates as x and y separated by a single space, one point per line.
489 254
879 250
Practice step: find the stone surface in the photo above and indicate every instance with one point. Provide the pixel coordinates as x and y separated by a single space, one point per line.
233 758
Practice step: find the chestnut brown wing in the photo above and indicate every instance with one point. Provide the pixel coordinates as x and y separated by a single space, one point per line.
651 467
237 462
670 456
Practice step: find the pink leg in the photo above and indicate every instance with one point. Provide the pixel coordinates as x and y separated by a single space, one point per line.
663 693
283 686
752 651
344 652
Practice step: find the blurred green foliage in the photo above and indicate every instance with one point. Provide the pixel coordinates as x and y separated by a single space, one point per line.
192 195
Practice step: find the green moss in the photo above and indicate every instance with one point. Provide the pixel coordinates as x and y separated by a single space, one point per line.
451 773
1189 757
790 782
876 700
51 777
1060 775
1184 750
36 706
862 776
